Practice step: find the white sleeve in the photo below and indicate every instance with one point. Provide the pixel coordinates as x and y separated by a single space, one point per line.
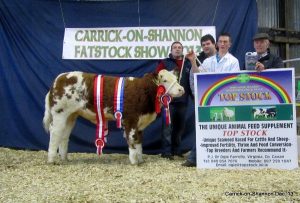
236 66
205 64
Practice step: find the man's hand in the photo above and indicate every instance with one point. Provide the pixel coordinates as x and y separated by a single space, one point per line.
191 56
259 67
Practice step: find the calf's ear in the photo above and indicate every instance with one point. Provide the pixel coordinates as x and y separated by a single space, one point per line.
155 77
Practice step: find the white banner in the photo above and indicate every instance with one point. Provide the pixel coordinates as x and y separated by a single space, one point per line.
130 42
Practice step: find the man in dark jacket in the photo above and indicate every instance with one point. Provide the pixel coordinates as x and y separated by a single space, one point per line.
266 60
208 45
171 135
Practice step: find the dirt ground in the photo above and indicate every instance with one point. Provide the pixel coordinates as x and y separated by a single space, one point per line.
26 177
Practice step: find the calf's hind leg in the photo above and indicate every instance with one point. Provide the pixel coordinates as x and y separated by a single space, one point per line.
57 130
63 146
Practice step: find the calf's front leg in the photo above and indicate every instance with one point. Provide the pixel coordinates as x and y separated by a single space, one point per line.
134 141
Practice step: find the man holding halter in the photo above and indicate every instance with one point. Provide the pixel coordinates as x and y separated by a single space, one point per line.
171 134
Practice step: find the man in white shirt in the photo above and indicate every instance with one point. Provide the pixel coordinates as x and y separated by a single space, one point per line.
223 61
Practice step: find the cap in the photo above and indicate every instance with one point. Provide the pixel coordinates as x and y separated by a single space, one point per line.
261 36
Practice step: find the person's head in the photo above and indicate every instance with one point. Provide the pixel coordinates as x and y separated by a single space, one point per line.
261 42
208 44
176 50
224 42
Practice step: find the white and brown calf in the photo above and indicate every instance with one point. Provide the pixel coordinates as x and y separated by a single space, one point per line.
72 95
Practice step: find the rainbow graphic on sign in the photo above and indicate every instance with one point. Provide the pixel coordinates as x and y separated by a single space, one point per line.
268 83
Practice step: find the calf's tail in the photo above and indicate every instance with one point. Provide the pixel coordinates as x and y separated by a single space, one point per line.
47 114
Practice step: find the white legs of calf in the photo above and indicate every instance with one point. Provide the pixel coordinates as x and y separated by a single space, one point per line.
60 131
135 154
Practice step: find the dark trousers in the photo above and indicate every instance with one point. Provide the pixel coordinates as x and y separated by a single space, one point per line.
193 155
171 135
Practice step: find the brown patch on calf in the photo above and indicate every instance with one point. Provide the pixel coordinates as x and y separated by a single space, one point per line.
60 83
68 96
108 95
139 100
139 136
88 80
140 96
72 89
59 110
51 100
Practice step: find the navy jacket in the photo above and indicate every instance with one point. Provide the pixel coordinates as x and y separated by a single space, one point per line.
170 65
201 57
271 61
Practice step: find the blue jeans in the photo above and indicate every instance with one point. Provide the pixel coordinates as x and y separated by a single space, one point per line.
171 135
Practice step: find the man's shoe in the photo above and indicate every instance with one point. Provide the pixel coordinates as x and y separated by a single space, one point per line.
179 155
187 163
167 156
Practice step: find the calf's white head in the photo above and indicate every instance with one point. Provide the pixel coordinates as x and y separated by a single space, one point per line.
169 81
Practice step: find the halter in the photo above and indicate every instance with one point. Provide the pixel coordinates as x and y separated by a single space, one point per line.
172 84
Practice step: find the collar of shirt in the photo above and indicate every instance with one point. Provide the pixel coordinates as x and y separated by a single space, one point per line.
262 55
223 58
218 57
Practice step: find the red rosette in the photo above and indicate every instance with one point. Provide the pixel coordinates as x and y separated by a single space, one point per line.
166 99
99 143
159 92
118 116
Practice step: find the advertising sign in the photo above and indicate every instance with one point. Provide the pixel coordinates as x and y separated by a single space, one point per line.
246 120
